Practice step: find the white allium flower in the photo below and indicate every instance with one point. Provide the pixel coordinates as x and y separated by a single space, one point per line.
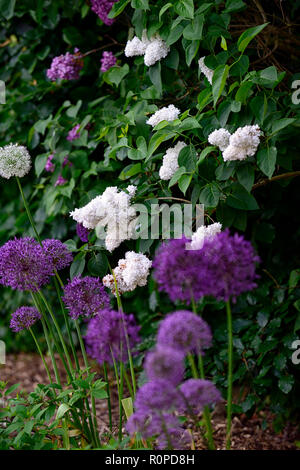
169 113
111 210
156 50
206 70
130 273
220 138
137 46
204 233
170 161
14 161
243 143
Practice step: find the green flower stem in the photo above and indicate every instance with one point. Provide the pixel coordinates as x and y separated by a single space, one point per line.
120 308
58 332
41 354
57 377
86 363
120 392
108 395
230 367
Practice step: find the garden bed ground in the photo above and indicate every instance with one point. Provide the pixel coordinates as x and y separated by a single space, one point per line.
248 433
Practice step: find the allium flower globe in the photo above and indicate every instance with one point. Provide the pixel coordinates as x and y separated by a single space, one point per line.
85 296
165 363
196 394
14 161
58 253
157 396
24 318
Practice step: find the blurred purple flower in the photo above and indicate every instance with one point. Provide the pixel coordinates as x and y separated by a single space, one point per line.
50 167
60 181
24 318
102 8
196 394
66 67
157 396
59 254
74 133
82 232
165 363
108 60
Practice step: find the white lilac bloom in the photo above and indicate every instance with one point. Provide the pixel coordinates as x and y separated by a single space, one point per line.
220 138
169 113
205 70
155 51
131 272
137 46
14 161
131 189
170 161
243 143
204 233
113 211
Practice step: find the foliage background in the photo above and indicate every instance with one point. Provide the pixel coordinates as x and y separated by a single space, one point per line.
117 147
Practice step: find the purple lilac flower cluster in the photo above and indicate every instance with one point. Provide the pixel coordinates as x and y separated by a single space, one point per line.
60 181
25 265
50 167
102 9
82 233
85 296
106 336
66 67
108 60
224 267
179 334
24 318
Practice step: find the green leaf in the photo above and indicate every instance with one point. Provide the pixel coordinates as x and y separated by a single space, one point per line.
178 173
266 160
241 199
128 406
245 176
164 9
116 74
131 170
117 8
7 8
188 158
157 139
185 8
77 266
286 383
248 35
210 195
191 51
155 76
100 394
98 265
204 153
142 4
281 124
62 410
219 81
184 182
193 30
39 164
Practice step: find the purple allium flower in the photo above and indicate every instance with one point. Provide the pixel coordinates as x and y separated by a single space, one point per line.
175 438
23 318
74 133
184 331
59 254
24 265
102 8
196 394
66 67
105 337
156 396
165 363
82 232
50 167
108 60
150 424
85 296
60 181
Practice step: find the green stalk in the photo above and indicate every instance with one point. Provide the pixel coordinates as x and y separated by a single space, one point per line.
108 395
120 393
41 354
230 367
28 212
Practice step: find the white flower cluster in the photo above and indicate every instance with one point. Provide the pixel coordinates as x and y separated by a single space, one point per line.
153 49
170 161
168 113
238 146
130 273
111 210
204 233
14 161
205 70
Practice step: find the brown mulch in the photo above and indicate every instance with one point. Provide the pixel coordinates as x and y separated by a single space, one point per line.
247 433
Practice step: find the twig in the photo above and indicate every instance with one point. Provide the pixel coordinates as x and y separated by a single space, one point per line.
291 174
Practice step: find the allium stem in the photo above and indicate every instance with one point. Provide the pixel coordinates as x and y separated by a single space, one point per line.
41 354
229 381
108 395
119 381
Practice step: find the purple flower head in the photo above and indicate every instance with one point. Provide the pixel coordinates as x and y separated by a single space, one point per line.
66 162
157 396
59 254
197 393
74 133
165 363
85 296
50 167
184 331
66 67
102 8
108 60
174 438
24 265
150 424
82 232
60 181
228 266
105 337
23 318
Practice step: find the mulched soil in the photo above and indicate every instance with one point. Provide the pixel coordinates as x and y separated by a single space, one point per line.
247 433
